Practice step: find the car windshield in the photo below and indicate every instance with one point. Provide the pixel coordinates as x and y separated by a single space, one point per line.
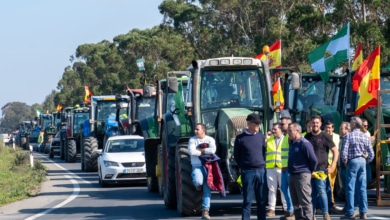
123 146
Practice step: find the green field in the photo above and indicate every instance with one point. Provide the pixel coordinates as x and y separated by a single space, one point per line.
17 179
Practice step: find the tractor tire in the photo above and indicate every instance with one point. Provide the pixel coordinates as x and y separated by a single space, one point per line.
27 144
169 178
23 143
159 163
71 151
90 158
189 200
82 154
152 183
234 188
62 144
51 155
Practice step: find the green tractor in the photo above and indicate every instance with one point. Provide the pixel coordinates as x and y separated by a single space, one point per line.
151 128
220 93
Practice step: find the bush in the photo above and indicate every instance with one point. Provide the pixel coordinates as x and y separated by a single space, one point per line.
18 180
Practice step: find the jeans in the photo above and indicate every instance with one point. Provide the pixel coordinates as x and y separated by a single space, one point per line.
319 192
356 178
254 184
286 191
343 173
198 179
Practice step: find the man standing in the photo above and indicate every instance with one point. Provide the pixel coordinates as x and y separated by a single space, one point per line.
302 162
356 146
329 129
322 144
273 165
198 176
249 150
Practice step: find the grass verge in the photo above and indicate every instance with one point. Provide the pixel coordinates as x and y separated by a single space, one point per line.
17 179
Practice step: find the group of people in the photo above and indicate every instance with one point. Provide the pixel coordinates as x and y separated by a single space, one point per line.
303 165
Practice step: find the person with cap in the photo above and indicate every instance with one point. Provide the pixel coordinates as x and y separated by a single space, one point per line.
302 161
249 151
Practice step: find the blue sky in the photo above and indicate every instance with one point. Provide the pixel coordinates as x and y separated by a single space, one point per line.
38 37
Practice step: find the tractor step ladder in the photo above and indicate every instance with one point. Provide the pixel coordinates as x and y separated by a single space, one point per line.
382 199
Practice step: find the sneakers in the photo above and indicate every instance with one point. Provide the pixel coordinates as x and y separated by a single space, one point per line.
270 213
205 214
326 216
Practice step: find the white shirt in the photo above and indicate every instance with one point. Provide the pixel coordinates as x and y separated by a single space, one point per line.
194 142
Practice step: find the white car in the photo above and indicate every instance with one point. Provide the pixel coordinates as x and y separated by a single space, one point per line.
5 138
122 160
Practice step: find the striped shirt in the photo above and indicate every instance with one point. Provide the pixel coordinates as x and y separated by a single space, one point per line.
357 144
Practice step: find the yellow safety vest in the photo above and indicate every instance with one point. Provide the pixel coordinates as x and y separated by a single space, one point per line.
336 141
273 153
285 149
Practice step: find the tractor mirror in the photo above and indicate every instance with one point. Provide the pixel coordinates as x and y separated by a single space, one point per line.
295 80
173 85
149 91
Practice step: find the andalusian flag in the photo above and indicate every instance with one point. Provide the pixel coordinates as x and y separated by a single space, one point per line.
365 81
358 58
88 94
330 54
274 55
278 95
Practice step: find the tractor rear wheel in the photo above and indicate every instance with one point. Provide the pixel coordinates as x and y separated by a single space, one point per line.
71 151
189 200
62 144
90 159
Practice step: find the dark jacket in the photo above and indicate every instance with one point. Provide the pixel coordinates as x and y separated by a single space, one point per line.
249 150
301 157
213 173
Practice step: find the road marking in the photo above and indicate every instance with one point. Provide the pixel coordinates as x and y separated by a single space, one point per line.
76 191
376 217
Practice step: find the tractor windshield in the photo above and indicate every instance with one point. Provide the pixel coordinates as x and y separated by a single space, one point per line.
79 119
106 109
385 85
315 93
145 107
230 89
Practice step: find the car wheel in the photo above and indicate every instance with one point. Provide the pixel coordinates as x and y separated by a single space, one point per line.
101 181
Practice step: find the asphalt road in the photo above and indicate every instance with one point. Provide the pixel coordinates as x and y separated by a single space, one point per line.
70 193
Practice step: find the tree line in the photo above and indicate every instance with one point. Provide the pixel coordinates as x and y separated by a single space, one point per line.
212 28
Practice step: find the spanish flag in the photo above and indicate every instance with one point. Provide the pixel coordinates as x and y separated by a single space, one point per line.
366 81
59 107
88 94
274 56
277 92
358 58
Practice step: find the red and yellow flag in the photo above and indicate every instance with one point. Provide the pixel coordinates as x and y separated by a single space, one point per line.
88 94
277 92
59 107
365 81
274 56
358 58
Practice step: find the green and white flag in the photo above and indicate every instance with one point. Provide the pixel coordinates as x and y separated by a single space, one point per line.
140 64
330 54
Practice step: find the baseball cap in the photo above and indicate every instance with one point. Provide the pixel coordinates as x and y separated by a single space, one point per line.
254 118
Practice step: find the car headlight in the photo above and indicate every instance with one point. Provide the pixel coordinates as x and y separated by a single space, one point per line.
110 164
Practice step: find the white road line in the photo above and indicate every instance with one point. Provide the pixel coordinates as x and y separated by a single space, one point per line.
375 217
76 190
